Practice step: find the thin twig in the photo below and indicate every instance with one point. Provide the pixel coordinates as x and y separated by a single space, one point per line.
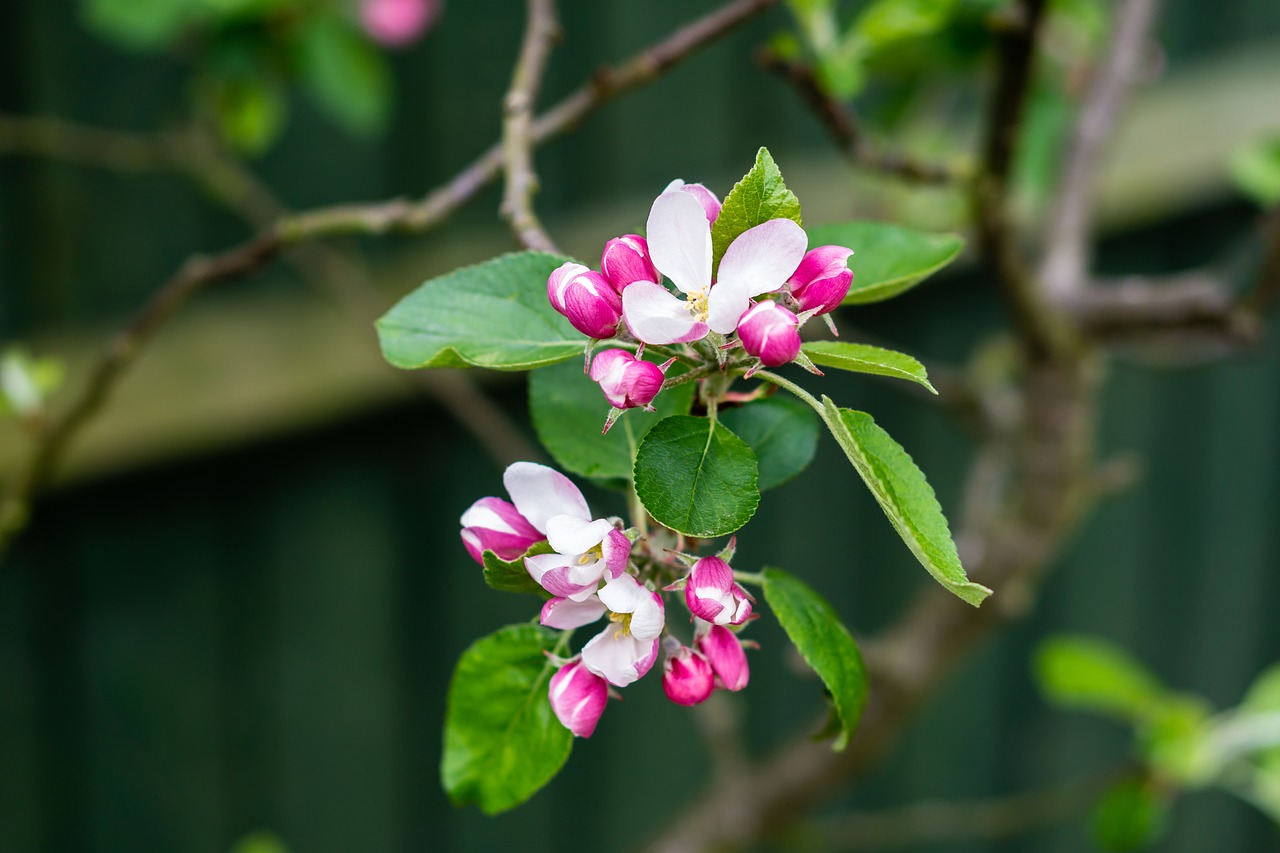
1066 257
843 126
201 272
540 32
72 142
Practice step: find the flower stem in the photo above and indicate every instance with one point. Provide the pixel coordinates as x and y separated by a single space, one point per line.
753 578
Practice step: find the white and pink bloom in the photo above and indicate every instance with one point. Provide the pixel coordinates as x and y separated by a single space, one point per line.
822 280
714 596
625 260
578 697
586 298
626 649
627 382
760 260
687 678
396 23
492 524
723 650
710 203
771 333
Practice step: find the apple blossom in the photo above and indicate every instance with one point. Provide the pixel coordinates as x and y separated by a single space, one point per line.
492 524
626 649
712 594
724 652
627 382
771 333
586 298
578 697
625 260
710 203
822 280
396 23
687 678
759 261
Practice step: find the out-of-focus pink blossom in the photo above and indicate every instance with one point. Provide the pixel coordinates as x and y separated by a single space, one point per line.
586 298
770 333
578 697
724 652
397 23
822 280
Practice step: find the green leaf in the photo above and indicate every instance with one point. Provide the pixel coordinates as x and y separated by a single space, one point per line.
886 22
502 741
493 314
863 358
1264 694
260 842
138 24
886 259
26 382
696 477
1256 171
1129 816
1088 673
781 431
905 496
345 75
569 411
823 642
761 195
513 576
250 111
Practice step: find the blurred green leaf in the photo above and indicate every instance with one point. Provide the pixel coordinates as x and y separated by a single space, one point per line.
26 382
695 476
138 24
1129 816
1088 673
494 314
1256 171
825 644
885 22
250 112
1176 740
1264 693
502 741
569 411
781 431
346 76
260 842
761 195
887 260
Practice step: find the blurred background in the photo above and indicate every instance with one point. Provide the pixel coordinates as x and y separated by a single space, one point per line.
240 607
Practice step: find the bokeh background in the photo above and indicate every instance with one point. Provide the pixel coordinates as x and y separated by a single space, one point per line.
240 608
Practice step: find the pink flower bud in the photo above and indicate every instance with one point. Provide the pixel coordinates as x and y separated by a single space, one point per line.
770 332
578 697
396 23
626 260
492 524
627 382
586 298
712 595
723 651
687 678
822 280
706 198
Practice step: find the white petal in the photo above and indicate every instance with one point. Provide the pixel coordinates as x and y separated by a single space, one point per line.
648 618
540 493
615 654
624 594
655 316
725 307
680 241
570 534
565 613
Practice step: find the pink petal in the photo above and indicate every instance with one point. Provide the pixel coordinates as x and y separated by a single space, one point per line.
539 493
655 316
679 239
616 549
565 613
564 576
578 698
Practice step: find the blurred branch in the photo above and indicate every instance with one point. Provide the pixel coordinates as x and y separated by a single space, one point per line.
71 142
200 272
1066 256
517 126
939 821
846 131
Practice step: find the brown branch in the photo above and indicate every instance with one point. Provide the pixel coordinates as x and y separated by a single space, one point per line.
71 142
199 272
1041 331
1066 257
846 131
517 127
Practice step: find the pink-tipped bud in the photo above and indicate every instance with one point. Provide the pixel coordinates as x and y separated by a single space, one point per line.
687 678
396 23
492 524
627 382
712 594
706 198
770 332
625 260
822 280
578 697
586 298
724 652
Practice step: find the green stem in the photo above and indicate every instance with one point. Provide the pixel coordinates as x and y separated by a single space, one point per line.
753 578
639 515
696 373
794 389
827 411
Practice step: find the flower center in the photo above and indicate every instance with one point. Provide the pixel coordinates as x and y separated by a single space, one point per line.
624 621
592 555
698 304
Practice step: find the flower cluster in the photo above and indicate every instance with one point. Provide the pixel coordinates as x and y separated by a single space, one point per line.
765 277
590 572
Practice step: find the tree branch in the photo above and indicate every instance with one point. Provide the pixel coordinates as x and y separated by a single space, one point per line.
1066 258
517 127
